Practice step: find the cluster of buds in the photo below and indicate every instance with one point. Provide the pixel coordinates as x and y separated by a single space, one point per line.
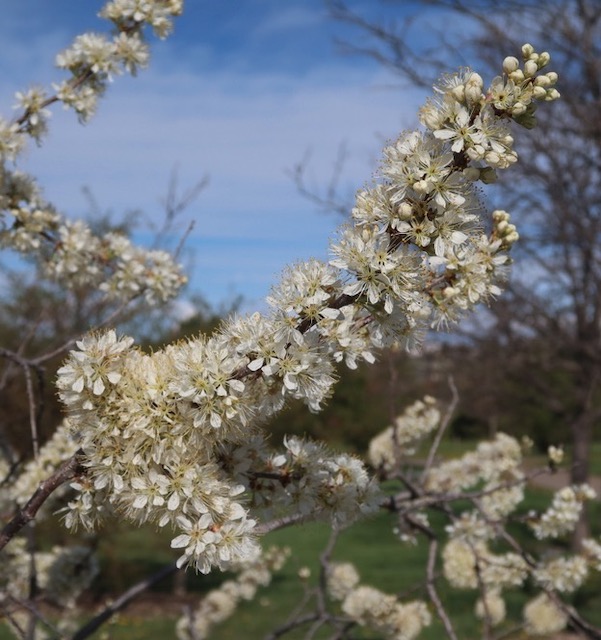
369 607
526 84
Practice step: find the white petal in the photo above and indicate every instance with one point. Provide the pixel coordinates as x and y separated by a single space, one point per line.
180 541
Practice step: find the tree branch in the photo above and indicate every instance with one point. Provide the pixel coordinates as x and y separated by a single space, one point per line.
70 469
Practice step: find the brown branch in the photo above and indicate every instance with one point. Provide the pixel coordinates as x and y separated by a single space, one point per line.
121 602
70 469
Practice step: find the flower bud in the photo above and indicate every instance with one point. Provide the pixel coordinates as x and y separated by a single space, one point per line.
555 454
500 214
517 76
527 51
543 59
304 573
510 64
530 68
405 211
473 88
518 108
492 157
552 94
458 93
552 76
475 152
542 81
540 93
511 238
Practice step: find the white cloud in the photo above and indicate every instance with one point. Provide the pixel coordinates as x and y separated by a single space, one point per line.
244 130
287 18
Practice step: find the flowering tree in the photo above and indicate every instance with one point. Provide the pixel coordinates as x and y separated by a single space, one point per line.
177 437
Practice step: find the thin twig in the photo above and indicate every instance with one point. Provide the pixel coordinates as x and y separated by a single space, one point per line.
433 593
121 602
443 425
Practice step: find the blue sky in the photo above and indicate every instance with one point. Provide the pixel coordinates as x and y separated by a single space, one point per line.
240 92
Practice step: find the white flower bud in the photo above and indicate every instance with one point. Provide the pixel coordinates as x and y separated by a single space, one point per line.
542 81
405 211
458 93
552 94
517 76
527 443
555 454
502 226
552 76
511 238
473 88
518 108
304 573
492 157
527 51
422 186
543 59
530 68
540 93
510 64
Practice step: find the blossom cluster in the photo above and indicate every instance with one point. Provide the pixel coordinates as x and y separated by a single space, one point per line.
158 429
563 514
369 607
409 429
475 555
159 448
69 252
62 574
19 489
220 603
496 464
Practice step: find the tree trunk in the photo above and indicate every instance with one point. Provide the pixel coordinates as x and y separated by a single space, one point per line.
582 431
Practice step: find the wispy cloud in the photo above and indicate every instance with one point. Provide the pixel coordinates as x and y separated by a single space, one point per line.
244 130
286 18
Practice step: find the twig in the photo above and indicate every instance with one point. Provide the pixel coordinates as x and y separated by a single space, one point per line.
443 425
280 523
35 613
96 622
288 626
433 593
